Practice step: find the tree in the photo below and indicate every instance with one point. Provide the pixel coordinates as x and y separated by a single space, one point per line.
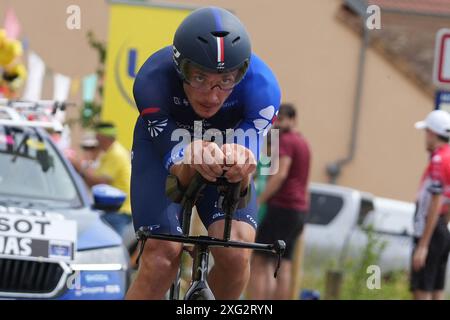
91 110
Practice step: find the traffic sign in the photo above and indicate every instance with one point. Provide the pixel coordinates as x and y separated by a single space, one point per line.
442 100
441 71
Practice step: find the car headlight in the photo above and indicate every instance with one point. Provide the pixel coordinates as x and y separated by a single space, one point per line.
112 258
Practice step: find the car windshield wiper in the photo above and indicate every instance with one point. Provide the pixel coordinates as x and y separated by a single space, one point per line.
23 204
36 203
14 203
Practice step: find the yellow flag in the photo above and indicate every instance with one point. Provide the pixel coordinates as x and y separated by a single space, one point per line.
74 87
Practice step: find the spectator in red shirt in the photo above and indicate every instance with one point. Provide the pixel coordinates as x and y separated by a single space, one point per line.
431 235
287 205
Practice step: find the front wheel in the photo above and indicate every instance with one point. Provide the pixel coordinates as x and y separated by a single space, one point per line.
202 294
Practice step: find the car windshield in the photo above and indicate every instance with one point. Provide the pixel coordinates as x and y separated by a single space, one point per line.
32 171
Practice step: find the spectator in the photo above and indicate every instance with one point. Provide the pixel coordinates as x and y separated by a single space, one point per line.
286 196
431 236
91 151
114 168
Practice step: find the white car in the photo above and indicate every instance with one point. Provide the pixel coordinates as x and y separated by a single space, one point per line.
338 222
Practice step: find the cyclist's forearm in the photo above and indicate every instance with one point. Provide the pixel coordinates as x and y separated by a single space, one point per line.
183 172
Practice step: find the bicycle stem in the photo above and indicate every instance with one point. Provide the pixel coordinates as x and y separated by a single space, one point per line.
200 264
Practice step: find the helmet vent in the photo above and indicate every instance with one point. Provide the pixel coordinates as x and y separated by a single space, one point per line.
220 34
235 41
202 40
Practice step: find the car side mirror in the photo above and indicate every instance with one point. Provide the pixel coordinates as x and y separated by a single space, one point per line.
107 198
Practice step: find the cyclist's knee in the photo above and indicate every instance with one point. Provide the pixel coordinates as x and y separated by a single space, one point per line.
235 261
232 260
160 255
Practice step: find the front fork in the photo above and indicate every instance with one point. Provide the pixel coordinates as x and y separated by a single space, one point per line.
199 270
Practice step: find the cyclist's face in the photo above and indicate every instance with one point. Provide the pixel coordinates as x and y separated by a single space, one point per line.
208 91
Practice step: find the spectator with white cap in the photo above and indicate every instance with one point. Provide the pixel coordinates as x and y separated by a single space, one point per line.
431 235
90 151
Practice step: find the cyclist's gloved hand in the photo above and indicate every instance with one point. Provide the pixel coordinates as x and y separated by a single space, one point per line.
206 158
240 161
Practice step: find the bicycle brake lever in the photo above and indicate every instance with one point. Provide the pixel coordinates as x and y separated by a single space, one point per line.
277 268
141 250
279 247
140 236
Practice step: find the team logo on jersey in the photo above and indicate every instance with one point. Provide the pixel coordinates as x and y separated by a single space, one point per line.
268 117
155 127
149 111
249 217
178 101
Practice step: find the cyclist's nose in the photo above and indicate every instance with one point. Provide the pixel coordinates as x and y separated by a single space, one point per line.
214 95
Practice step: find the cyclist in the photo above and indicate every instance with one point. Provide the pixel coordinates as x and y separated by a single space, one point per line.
208 79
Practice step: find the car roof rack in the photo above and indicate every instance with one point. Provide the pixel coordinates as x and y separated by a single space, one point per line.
47 114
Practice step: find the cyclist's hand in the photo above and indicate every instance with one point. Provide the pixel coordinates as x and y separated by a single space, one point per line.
205 157
240 161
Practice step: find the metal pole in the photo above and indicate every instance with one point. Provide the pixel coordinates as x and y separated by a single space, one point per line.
334 168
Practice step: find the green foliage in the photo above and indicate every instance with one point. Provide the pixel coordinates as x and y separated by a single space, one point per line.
91 111
394 285
100 47
90 114
357 285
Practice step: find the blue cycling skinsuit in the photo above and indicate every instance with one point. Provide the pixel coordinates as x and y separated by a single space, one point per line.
164 107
